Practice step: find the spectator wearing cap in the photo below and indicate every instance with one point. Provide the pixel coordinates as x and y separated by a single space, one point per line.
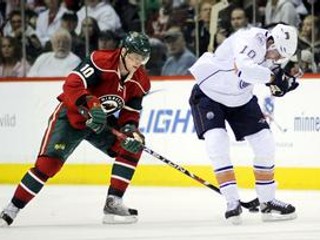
108 40
60 61
180 59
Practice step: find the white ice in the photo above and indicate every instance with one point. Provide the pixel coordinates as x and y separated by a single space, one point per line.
75 213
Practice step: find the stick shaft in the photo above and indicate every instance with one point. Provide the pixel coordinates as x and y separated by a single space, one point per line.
249 205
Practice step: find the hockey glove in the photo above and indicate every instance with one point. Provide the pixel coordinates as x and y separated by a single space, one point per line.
97 118
135 139
282 83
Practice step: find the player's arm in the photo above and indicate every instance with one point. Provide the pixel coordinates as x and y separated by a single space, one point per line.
76 86
77 96
246 53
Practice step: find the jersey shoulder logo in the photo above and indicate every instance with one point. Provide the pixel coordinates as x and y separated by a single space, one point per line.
111 103
261 39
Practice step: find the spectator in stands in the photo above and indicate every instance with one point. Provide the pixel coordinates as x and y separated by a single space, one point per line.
282 11
69 21
89 25
49 21
203 28
104 14
297 67
14 29
180 58
239 19
158 57
204 25
128 11
158 23
108 40
11 62
305 36
60 61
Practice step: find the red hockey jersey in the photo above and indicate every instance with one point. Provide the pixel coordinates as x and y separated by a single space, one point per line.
99 75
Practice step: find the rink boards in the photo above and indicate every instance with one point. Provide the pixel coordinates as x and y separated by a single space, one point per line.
167 125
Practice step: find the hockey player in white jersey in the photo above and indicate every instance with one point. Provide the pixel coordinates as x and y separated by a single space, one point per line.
223 93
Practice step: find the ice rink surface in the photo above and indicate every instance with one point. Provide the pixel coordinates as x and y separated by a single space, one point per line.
75 213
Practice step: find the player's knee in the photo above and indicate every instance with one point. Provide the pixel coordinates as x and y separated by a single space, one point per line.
217 147
262 144
48 166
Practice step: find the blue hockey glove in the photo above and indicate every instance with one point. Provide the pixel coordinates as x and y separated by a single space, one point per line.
282 83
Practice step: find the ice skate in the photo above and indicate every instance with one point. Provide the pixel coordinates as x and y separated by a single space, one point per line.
115 212
276 210
8 215
233 213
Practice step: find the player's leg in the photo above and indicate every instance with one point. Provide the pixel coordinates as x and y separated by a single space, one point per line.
209 121
58 143
217 147
255 130
263 147
123 169
122 173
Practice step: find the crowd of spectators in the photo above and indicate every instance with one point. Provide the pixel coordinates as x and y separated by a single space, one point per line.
59 33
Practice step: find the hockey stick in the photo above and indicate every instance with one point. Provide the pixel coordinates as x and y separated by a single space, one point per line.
252 206
272 120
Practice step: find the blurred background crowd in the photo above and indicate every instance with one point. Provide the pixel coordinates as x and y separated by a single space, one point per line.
48 38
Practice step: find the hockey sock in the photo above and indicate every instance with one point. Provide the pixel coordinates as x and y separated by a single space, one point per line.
227 182
28 188
265 184
33 181
122 172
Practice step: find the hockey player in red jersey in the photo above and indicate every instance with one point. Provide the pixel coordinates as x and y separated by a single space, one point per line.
105 83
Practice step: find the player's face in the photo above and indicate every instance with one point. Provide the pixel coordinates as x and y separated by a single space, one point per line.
273 54
134 61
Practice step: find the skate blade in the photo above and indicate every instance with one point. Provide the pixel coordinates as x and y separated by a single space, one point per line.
274 217
116 219
236 220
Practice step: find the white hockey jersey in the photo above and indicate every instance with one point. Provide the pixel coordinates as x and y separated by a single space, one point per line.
227 76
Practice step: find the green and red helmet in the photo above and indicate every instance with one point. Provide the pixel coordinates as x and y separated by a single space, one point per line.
135 42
